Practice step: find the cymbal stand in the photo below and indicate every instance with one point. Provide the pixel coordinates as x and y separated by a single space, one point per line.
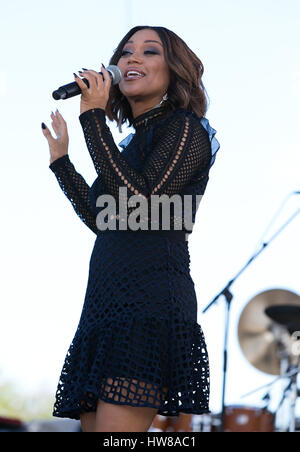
268 385
292 375
228 296
293 398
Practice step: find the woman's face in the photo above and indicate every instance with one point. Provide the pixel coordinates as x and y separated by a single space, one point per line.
146 73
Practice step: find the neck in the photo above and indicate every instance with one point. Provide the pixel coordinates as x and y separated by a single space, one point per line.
139 106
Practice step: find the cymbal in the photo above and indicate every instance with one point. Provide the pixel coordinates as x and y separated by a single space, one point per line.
255 329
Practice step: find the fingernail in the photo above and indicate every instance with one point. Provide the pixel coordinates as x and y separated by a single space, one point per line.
103 65
75 75
43 126
85 69
80 72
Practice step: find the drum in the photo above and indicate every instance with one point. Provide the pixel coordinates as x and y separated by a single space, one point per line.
248 419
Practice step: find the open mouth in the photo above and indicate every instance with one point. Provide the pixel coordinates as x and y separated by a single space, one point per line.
133 75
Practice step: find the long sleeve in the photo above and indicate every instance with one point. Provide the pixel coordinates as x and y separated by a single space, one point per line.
183 149
76 189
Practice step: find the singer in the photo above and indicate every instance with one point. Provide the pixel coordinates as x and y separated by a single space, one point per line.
138 350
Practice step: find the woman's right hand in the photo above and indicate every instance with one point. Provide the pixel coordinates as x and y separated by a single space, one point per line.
57 146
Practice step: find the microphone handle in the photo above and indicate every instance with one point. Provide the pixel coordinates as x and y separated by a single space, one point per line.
72 89
69 90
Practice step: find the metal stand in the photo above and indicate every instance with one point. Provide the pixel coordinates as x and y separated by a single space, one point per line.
228 296
293 398
292 374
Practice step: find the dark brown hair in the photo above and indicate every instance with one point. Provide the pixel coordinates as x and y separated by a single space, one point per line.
186 88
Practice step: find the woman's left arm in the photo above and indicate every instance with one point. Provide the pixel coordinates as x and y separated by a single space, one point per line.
76 190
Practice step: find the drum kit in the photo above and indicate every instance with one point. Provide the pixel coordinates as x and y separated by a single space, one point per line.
269 337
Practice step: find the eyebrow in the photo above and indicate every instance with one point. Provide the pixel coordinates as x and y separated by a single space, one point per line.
149 40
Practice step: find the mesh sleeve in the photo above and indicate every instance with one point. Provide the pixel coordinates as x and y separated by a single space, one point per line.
183 149
76 189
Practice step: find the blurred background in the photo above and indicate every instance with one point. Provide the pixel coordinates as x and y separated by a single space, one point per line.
250 52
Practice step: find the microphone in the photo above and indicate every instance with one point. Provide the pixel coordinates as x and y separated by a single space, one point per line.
72 89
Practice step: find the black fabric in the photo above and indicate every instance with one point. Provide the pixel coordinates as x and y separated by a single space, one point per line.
138 341
76 189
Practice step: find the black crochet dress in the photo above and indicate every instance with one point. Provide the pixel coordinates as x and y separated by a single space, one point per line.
138 342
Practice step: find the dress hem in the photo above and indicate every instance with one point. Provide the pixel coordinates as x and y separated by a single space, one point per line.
75 414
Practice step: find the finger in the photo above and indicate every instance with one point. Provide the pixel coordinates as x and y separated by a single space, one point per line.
80 83
59 125
56 124
57 129
60 117
106 78
91 79
47 133
94 73
55 119
98 77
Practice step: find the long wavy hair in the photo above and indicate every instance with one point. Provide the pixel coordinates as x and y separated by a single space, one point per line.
186 88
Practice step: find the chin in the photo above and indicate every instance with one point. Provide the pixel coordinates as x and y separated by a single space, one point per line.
132 91
137 88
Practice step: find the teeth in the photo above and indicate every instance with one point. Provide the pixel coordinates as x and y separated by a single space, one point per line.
134 73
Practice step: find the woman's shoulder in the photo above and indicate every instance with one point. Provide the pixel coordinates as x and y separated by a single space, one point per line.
183 113
196 121
201 126
179 119
182 116
179 113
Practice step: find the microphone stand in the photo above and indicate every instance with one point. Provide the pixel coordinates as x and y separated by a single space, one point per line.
228 297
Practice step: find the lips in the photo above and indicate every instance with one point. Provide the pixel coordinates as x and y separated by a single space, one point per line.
133 74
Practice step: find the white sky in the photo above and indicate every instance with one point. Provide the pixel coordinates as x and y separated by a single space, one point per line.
250 52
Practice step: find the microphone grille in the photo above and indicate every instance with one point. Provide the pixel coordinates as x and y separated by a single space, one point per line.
116 74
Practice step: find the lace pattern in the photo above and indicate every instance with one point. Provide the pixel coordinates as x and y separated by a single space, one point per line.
138 342
170 154
76 190
180 146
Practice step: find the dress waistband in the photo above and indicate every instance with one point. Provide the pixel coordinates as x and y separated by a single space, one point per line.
171 234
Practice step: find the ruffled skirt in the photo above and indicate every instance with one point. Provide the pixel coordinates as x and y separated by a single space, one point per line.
138 342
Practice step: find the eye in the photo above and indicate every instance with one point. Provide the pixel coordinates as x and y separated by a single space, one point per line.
151 52
125 52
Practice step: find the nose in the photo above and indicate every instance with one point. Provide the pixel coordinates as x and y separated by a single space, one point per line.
134 58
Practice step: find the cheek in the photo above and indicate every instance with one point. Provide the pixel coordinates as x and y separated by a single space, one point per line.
164 76
121 66
121 87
